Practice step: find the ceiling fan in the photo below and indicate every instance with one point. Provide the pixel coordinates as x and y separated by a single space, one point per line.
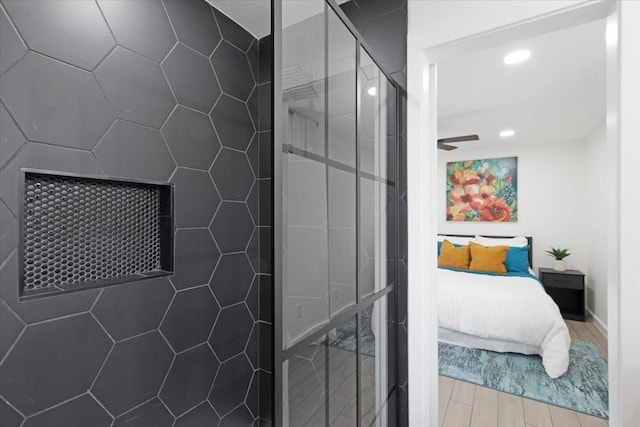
442 143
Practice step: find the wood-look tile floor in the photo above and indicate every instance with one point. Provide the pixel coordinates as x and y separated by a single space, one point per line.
463 404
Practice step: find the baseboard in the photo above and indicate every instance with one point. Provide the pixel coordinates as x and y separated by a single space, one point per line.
596 321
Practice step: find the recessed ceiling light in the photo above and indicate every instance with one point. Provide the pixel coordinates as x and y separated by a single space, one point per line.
507 133
372 91
517 57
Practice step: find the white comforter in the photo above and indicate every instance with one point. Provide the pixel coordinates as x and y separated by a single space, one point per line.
509 308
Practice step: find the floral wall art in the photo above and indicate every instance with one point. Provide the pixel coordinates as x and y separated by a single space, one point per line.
483 190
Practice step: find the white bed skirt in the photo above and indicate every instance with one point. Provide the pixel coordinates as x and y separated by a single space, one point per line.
449 336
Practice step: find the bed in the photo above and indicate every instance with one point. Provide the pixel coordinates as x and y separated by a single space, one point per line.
501 312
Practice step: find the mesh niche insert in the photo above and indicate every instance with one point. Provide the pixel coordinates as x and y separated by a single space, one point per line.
79 232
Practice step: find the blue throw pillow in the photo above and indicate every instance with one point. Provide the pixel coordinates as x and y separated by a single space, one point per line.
517 259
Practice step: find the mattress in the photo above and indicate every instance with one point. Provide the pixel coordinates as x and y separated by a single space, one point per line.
503 313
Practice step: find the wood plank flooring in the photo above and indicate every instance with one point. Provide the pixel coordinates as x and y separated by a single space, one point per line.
463 404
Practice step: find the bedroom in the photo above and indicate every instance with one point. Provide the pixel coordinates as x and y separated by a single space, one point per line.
554 103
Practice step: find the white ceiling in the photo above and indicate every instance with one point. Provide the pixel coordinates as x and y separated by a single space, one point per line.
558 95
255 15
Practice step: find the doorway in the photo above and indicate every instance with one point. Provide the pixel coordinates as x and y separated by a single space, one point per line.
423 334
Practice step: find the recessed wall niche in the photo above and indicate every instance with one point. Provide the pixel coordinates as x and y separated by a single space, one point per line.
79 232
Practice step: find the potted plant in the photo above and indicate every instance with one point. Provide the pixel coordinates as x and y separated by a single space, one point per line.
559 255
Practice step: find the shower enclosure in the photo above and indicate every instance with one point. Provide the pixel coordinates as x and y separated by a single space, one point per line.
335 231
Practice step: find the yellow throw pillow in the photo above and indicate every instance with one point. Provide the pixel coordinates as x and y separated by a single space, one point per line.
450 256
488 259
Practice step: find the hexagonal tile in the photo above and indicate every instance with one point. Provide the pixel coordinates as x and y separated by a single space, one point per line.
11 328
8 415
231 384
232 279
387 36
253 105
53 28
194 24
253 153
142 26
253 349
11 46
253 57
232 227
232 174
195 198
189 379
55 103
40 156
239 417
195 257
191 138
40 309
82 411
133 373
11 139
202 415
232 330
121 74
253 395
133 308
152 413
253 202
373 9
356 16
253 250
253 298
190 318
8 232
31 385
233 70
134 151
191 78
233 123
232 32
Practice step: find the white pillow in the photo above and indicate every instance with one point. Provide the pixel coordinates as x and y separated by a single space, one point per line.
456 240
517 242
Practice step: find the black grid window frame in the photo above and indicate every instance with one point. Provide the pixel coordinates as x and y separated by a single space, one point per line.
279 354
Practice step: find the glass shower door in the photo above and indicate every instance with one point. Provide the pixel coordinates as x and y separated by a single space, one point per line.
335 322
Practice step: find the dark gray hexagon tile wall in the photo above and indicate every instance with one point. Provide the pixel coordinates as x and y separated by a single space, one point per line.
147 89
383 24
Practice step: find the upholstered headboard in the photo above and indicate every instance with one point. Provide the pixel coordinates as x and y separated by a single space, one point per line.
529 241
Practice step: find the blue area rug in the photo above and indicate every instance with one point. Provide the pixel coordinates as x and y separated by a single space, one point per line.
345 338
583 388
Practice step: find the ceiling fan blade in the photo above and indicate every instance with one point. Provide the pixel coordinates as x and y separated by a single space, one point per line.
446 147
459 139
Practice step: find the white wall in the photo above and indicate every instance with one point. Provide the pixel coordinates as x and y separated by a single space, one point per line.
598 183
626 299
552 199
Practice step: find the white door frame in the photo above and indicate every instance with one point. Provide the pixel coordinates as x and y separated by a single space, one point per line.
422 185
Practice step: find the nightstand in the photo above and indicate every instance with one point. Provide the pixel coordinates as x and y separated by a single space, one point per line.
567 290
